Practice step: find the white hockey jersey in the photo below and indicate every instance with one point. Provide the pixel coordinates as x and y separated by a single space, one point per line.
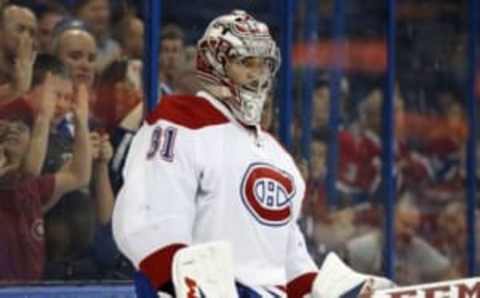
194 175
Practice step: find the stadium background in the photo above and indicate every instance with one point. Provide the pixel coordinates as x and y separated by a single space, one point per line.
404 70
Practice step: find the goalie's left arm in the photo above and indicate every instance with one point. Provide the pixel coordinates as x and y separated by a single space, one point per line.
301 269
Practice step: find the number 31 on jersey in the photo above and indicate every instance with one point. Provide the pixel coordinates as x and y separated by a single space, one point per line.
162 143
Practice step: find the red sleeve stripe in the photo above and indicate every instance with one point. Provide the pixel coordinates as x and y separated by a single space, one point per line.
301 285
158 266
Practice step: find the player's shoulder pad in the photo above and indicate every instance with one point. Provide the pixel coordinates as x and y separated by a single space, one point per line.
186 110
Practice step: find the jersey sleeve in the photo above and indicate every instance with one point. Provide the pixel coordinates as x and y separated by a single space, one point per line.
155 209
301 270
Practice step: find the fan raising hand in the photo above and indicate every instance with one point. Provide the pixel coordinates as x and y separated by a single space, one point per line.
24 61
80 103
46 103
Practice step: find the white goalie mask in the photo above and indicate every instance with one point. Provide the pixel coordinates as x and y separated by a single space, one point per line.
235 37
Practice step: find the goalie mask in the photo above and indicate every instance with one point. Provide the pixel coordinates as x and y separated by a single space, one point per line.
236 61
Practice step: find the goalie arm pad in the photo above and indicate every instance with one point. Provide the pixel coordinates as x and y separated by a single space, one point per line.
301 285
336 279
158 267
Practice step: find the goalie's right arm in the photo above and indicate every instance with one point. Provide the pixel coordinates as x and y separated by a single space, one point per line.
155 209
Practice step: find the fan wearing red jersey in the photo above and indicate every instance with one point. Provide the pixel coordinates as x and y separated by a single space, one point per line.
201 170
23 197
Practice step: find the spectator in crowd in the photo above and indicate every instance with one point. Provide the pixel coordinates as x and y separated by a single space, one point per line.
130 34
321 101
315 204
321 105
119 108
118 91
121 140
70 225
448 123
60 95
186 82
48 17
444 146
450 237
25 198
417 260
185 79
326 226
360 155
371 111
172 56
76 48
18 28
333 229
97 16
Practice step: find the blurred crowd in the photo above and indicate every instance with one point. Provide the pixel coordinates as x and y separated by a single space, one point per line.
430 179
347 214
71 100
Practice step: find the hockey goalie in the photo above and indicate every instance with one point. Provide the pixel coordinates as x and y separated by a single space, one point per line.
210 201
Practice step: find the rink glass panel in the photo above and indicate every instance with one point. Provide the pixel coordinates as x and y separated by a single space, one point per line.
347 64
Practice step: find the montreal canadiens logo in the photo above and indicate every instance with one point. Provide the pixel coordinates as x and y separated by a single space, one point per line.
38 230
267 192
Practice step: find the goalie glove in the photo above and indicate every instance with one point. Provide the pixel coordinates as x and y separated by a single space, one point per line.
335 279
